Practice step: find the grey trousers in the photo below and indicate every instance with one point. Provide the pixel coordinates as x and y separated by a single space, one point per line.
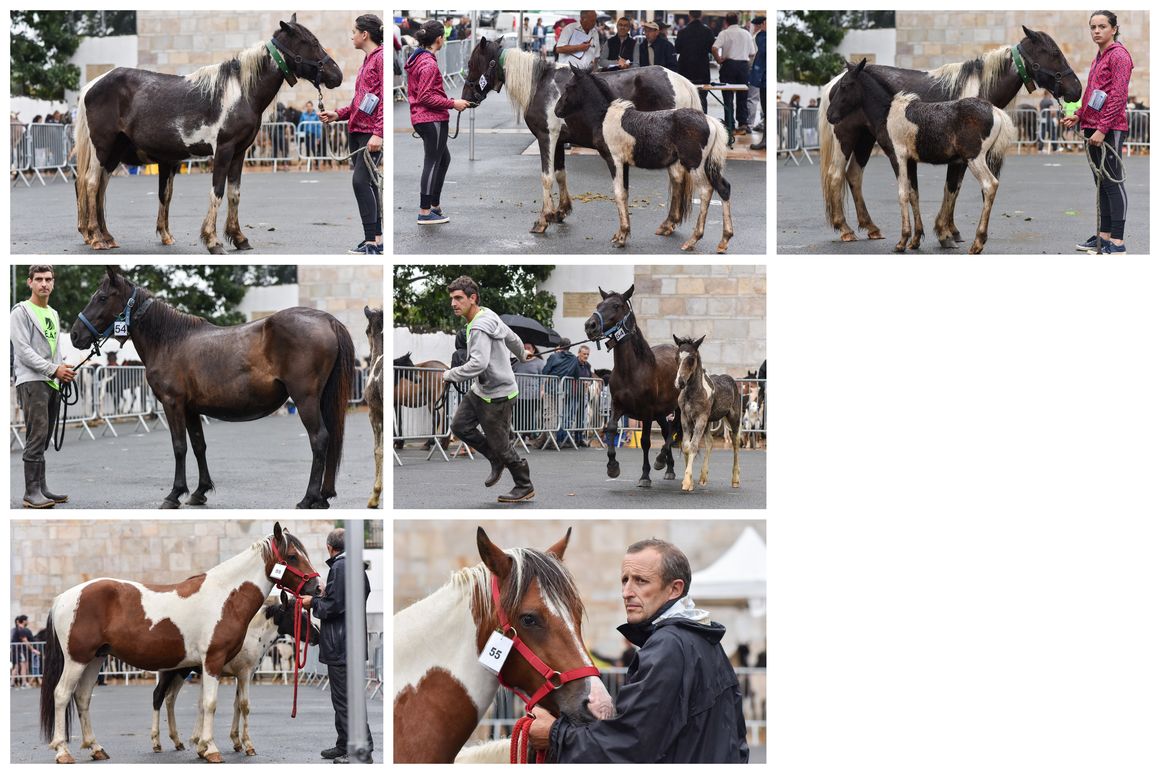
41 404
495 419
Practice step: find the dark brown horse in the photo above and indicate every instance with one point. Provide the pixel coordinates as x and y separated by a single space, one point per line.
419 389
373 395
643 383
236 373
136 117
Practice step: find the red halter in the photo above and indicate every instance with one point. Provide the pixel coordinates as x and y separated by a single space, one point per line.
303 579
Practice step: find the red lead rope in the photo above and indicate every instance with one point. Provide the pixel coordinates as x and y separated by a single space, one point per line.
298 663
521 739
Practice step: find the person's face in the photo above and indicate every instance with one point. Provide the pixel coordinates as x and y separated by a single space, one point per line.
582 355
651 35
588 20
622 28
1102 30
41 285
641 587
309 106
460 301
358 37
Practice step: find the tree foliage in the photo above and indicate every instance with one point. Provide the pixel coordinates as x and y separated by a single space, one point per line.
421 300
806 46
42 43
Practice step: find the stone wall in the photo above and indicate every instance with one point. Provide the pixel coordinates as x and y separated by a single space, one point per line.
725 303
928 39
343 290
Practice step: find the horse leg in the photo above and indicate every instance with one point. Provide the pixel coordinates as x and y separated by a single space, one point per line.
547 211
677 174
904 203
205 746
176 417
665 459
990 185
610 429
723 189
83 697
103 186
707 445
735 427
691 443
165 175
620 193
912 175
244 692
377 429
197 438
565 207
310 412
705 190
233 199
171 715
221 164
854 175
645 443
944 226
62 695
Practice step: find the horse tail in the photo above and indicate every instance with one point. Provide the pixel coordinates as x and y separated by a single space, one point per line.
833 164
1004 139
52 669
335 396
715 160
86 158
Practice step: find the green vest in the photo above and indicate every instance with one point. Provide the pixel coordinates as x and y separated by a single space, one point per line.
50 326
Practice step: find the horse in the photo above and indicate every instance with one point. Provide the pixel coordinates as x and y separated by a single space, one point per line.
275 618
686 142
968 131
642 383
705 398
373 395
137 117
534 85
234 373
752 410
441 688
1034 62
419 389
201 621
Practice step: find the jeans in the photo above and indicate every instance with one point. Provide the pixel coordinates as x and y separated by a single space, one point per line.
494 418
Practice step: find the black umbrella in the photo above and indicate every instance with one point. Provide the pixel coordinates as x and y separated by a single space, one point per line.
531 331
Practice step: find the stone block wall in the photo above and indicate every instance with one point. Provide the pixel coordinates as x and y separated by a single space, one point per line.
343 290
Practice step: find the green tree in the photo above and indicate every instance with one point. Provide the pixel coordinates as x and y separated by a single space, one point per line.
420 294
806 43
42 43
99 24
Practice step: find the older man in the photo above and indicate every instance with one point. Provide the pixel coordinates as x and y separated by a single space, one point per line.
681 702
579 42
655 49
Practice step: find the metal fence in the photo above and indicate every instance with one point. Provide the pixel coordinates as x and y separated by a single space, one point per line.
39 149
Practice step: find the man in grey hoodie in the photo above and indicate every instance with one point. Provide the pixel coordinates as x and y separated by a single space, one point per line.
488 404
39 365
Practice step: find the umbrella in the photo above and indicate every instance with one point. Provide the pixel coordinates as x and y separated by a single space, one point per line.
531 331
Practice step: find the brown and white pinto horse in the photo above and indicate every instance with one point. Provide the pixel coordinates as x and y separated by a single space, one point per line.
201 621
442 690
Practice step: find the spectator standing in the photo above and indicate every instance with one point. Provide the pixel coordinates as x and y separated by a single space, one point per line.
734 49
617 52
757 80
579 41
694 47
655 49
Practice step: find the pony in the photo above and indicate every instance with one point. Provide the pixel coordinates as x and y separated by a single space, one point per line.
752 410
442 689
968 131
686 142
274 619
703 399
137 117
1034 62
642 384
419 385
373 395
534 85
201 621
235 373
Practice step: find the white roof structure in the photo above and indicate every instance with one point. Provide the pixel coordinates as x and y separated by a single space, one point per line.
733 590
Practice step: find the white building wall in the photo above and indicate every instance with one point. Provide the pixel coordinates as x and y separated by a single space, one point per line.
107 52
585 279
877 45
263 301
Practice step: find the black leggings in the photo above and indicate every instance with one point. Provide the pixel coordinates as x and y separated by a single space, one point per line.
1113 195
366 193
436 160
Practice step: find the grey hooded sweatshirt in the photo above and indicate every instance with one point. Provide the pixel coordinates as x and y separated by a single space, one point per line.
34 358
489 342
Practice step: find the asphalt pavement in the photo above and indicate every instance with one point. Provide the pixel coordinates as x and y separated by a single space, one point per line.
282 213
576 478
494 201
122 716
1046 203
259 464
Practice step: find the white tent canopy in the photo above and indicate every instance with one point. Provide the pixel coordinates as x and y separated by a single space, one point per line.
739 573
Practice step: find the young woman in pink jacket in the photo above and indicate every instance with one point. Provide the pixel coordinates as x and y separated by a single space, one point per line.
429 106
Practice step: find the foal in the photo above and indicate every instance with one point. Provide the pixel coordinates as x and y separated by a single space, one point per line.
373 395
968 131
685 141
704 399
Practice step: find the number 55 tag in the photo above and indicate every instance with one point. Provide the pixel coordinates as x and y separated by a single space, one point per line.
278 571
495 652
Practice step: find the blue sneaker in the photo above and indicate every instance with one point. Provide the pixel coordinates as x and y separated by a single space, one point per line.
366 248
1092 244
432 218
1114 249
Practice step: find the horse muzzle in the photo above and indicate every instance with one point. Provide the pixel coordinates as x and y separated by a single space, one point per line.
80 336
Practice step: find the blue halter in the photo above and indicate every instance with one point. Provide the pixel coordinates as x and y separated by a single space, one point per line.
126 316
617 332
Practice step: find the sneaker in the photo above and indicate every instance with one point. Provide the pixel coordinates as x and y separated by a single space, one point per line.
341 759
366 248
1114 249
333 752
431 219
1092 243
741 130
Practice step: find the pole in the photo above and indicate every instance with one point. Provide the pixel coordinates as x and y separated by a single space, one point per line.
471 117
357 745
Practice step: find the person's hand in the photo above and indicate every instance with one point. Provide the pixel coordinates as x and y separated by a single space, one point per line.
307 601
375 143
1069 121
326 116
64 373
623 63
1097 138
447 375
585 45
541 729
461 104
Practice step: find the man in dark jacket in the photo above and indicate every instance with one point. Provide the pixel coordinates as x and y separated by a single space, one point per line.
694 46
681 702
330 609
655 49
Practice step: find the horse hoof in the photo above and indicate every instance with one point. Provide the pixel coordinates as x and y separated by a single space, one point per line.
237 746
958 237
320 505
100 755
613 470
250 752
900 247
179 746
946 242
670 476
113 244
169 505
217 250
539 228
66 759
644 483
850 237
687 487
875 234
975 249
243 245
168 240
215 757
156 748
195 499
736 484
721 248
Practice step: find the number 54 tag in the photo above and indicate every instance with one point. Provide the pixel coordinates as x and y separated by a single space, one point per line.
495 652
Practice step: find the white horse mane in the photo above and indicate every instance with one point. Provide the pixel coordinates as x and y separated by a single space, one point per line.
905 97
557 589
518 69
994 65
251 62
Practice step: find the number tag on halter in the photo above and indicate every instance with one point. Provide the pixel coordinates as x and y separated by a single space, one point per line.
495 652
278 571
619 334
483 83
120 328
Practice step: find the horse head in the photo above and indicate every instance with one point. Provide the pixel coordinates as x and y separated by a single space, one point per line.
109 302
541 605
688 360
375 331
281 549
282 615
613 310
847 94
1048 67
305 56
483 63
584 91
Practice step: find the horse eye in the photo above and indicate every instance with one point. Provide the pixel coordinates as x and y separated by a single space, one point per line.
527 619
102 298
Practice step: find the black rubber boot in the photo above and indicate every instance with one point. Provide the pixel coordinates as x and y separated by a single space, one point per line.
523 490
497 469
44 489
33 497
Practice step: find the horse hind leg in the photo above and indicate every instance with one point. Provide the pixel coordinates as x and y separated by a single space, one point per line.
165 176
665 458
706 193
645 444
990 185
944 224
735 428
377 428
919 232
310 412
854 174
565 207
83 698
102 187
707 444
678 179
62 695
723 189
217 192
620 193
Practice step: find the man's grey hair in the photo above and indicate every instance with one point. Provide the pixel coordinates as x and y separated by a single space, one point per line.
674 563
337 540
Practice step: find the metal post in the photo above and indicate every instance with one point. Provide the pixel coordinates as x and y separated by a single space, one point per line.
471 118
357 745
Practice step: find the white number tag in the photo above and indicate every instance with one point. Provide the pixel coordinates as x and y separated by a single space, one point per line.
483 83
120 328
495 652
278 571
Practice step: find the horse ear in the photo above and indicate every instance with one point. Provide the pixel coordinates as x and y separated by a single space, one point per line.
492 555
278 533
1030 33
367 312
294 18
557 550
697 343
575 70
285 599
286 27
676 340
628 293
860 67
603 295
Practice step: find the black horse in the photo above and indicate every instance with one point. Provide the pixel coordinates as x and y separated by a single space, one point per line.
136 116
995 77
643 383
237 374
534 85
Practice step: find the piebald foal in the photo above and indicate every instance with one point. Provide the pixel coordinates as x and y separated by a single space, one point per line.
704 399
373 395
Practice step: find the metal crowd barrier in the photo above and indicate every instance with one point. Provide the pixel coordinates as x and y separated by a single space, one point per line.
1041 129
537 408
753 422
421 408
789 139
41 148
275 142
581 402
85 413
319 142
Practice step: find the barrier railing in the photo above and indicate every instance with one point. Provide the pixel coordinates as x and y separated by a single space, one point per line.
39 149
84 414
422 406
789 140
452 61
320 143
537 408
581 407
275 142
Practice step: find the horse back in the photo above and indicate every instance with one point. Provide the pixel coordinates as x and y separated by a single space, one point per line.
946 132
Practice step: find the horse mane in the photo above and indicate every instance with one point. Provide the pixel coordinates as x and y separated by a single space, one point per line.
905 97
265 545
557 586
168 323
248 66
521 73
954 78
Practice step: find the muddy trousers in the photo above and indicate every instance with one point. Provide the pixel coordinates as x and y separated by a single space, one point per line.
494 419
41 404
